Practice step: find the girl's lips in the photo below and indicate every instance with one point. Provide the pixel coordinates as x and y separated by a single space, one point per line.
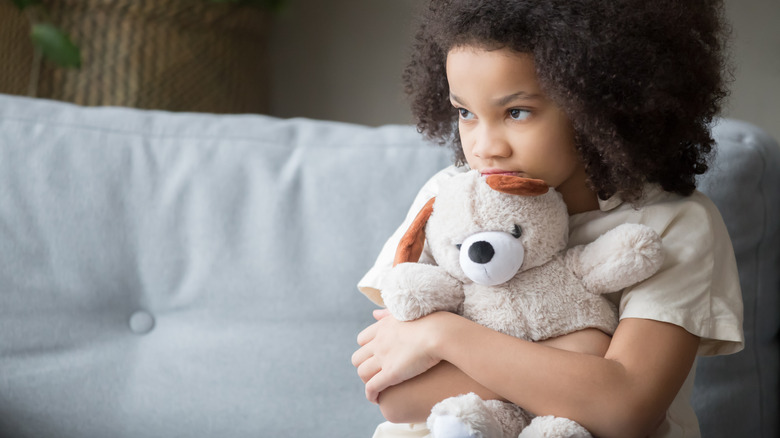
486 172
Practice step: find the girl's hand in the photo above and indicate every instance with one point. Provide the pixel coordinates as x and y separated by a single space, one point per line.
392 352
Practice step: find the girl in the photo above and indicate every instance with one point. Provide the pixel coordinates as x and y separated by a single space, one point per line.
608 101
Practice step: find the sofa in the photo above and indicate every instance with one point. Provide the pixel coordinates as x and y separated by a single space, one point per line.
193 275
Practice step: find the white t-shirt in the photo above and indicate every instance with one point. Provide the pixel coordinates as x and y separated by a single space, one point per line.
697 287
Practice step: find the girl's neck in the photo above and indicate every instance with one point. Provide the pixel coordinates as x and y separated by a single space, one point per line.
581 204
577 194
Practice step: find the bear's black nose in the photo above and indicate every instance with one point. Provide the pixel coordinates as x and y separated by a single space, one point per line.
481 252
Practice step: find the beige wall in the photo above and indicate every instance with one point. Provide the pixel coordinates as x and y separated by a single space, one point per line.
342 60
755 52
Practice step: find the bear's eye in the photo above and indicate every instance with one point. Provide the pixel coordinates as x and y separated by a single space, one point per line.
517 232
458 246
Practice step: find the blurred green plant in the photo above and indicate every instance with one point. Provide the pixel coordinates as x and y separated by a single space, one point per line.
55 45
51 42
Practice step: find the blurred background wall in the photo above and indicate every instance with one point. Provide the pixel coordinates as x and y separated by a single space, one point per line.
342 60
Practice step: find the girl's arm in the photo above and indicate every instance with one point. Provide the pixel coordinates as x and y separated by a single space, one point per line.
623 394
412 400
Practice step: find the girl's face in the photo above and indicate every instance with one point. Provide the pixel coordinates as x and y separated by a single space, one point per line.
508 125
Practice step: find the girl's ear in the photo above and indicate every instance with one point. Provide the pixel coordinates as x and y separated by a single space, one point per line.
411 245
515 185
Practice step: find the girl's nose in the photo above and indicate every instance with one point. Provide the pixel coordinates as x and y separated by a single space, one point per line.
491 143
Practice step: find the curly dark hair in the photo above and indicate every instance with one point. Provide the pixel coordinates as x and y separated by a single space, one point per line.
640 81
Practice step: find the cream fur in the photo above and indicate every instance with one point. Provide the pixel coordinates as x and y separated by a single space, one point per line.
556 291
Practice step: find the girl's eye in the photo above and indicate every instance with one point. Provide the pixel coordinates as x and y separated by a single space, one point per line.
465 114
519 114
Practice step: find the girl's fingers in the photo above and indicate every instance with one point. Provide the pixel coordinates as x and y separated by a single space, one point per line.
381 313
367 335
360 356
378 383
391 352
368 369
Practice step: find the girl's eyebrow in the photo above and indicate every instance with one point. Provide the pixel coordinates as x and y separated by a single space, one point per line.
520 95
456 99
502 101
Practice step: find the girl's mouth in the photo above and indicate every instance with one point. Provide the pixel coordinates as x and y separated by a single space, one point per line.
493 171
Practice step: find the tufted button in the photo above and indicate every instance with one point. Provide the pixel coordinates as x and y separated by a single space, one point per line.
141 322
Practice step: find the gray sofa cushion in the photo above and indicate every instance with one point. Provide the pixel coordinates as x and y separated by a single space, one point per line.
194 275
737 395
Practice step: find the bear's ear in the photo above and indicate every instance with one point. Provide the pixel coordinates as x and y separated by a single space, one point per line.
516 185
411 245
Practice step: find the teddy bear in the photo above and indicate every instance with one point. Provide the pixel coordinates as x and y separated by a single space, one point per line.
499 243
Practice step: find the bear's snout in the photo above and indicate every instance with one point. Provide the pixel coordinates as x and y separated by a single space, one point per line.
491 257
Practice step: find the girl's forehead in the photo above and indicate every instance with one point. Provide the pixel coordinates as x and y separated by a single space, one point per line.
504 70
490 49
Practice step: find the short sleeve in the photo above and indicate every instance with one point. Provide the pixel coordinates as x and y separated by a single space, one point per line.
697 286
371 283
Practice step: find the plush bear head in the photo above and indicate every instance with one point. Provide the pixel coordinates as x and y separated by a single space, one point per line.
488 229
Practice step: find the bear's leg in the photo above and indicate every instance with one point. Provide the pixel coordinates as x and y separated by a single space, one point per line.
468 416
449 426
554 427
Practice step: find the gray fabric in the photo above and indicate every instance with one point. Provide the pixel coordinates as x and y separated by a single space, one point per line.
167 275
737 395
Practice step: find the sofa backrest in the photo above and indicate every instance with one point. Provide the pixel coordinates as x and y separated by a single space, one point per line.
194 275
737 395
